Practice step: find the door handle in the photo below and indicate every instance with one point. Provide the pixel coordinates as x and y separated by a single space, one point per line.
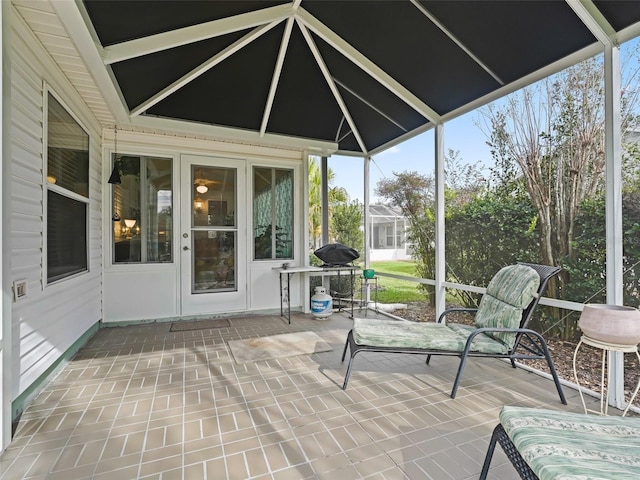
185 248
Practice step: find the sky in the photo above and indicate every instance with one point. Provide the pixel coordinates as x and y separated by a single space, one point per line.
417 154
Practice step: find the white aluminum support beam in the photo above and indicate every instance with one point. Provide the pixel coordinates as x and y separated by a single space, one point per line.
332 86
276 75
370 105
337 42
457 41
440 290
613 207
366 165
594 21
183 36
324 191
206 66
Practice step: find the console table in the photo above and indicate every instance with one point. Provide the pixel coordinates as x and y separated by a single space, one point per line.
285 283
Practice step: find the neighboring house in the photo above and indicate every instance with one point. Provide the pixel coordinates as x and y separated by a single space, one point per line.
388 235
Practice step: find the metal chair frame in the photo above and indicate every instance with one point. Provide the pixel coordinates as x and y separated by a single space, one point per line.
531 344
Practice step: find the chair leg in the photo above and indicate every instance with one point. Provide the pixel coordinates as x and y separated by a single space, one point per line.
428 359
346 344
354 351
552 369
489 456
463 361
554 374
346 375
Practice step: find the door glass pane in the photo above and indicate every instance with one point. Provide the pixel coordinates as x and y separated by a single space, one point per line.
272 213
262 212
214 261
214 196
159 210
214 222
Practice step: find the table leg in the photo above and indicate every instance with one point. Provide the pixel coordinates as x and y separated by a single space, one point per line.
289 297
635 392
604 389
281 305
352 280
575 375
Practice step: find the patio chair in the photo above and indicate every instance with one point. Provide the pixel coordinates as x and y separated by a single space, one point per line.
544 444
500 329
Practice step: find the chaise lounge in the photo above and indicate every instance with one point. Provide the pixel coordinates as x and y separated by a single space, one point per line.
549 445
500 329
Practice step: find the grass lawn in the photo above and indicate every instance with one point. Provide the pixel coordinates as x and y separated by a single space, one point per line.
392 290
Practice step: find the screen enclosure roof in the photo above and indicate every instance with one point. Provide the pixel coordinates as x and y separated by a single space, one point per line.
363 75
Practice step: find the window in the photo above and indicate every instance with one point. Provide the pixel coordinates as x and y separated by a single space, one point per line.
272 213
67 193
143 210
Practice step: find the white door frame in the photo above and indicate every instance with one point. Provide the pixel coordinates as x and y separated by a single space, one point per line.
197 303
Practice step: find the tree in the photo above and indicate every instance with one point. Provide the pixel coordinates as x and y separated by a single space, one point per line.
336 195
554 133
489 231
346 223
413 194
463 182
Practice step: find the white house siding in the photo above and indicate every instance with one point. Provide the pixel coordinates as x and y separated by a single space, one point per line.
49 319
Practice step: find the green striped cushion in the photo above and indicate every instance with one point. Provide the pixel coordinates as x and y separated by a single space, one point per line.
509 292
574 446
423 335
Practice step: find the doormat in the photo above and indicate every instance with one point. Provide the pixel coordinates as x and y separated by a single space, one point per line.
200 324
277 346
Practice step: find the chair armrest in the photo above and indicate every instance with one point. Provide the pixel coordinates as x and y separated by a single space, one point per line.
451 310
525 331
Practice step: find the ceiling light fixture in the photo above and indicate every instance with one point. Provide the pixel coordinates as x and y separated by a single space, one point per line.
202 189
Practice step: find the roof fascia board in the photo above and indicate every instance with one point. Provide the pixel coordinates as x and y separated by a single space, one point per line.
455 40
365 64
317 147
594 20
277 71
332 86
76 21
200 69
183 36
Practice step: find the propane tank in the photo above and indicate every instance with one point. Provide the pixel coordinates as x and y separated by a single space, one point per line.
321 303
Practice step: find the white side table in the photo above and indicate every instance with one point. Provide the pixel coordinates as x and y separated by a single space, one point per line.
604 386
366 284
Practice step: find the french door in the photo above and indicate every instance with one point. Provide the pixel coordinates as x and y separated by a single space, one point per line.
213 235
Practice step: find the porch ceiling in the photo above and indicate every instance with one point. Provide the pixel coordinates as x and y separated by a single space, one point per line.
361 74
